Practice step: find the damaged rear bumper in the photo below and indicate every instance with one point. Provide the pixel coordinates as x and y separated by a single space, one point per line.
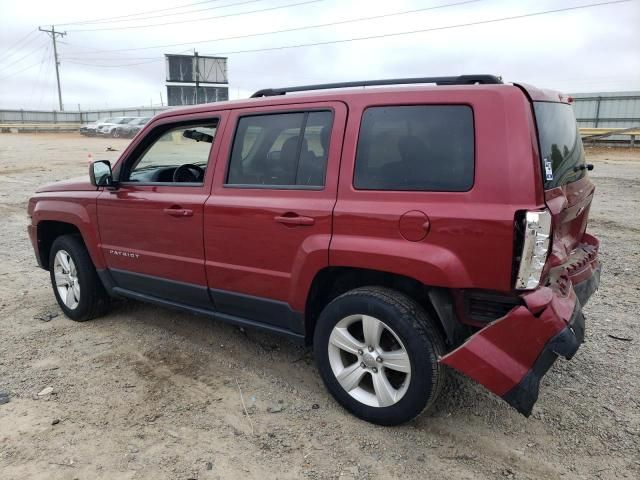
511 355
524 395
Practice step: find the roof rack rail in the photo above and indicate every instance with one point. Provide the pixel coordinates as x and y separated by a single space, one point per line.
459 80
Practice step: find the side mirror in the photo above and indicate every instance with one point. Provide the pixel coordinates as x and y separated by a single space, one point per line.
100 173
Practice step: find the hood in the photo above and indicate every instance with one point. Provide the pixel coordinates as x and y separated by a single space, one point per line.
71 185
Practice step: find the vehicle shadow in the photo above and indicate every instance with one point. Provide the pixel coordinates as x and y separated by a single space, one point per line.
203 340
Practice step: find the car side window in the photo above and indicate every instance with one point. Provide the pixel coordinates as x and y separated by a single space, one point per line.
417 148
177 155
283 149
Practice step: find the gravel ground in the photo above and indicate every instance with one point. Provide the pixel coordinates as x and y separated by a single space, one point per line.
150 393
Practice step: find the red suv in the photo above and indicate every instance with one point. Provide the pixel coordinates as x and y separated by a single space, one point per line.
399 230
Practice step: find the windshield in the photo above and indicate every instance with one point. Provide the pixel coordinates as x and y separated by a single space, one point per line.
560 144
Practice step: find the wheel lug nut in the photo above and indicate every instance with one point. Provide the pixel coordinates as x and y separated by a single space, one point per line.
363 365
371 349
375 370
379 359
360 352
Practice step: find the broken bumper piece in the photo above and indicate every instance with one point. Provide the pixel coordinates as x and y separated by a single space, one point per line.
524 395
511 355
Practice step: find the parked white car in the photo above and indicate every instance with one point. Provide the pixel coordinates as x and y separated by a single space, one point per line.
110 128
91 128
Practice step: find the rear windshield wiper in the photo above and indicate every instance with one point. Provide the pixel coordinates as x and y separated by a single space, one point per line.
583 166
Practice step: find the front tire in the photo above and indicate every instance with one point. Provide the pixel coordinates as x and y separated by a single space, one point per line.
76 285
377 351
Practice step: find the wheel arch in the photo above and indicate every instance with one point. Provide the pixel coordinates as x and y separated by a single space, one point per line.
49 230
66 214
331 282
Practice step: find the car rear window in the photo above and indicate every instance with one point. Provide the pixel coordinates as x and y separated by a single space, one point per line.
417 148
560 144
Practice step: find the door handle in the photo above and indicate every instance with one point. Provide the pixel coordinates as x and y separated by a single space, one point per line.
178 212
295 220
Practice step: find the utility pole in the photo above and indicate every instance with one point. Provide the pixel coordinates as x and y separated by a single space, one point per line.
53 34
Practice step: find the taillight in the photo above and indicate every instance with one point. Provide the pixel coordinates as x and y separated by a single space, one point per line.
535 248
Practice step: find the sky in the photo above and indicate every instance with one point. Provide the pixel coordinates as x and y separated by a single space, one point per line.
105 65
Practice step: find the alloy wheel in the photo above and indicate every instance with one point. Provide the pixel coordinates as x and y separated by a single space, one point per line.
66 278
369 360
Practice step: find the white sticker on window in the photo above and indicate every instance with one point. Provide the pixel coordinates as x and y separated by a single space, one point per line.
548 170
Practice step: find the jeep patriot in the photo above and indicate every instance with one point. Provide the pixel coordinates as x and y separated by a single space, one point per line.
400 230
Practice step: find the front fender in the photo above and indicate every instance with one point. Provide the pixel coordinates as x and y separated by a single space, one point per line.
75 208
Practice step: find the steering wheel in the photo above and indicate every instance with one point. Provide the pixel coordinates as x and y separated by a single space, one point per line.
188 173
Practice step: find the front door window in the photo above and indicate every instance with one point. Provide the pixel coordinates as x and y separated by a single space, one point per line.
179 155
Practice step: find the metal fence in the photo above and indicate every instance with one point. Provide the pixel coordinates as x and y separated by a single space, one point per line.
595 110
608 109
53 117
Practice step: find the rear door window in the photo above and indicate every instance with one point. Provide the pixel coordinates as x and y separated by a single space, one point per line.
561 150
418 148
280 150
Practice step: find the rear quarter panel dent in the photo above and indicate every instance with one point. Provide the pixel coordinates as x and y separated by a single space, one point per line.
430 264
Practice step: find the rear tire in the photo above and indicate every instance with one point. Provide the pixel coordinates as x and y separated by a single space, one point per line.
76 285
388 381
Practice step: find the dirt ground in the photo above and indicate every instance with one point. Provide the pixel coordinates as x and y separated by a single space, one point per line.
151 393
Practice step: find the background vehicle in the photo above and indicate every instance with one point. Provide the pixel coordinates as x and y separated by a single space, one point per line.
130 129
110 128
399 230
91 129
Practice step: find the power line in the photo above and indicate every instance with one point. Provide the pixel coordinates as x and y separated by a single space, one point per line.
7 50
279 7
114 66
150 60
37 82
47 71
101 59
100 20
397 34
288 30
20 71
411 32
31 52
244 2
22 49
